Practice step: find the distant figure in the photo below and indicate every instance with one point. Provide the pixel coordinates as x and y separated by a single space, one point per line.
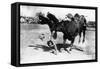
51 45
77 17
83 19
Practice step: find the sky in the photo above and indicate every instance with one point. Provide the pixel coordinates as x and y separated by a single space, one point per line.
30 11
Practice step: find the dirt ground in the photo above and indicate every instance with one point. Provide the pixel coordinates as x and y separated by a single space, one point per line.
34 50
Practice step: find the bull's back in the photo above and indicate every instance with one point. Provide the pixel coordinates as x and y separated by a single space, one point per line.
71 28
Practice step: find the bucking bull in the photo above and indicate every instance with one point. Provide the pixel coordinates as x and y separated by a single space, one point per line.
70 28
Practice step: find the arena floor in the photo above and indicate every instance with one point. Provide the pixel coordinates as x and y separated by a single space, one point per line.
29 36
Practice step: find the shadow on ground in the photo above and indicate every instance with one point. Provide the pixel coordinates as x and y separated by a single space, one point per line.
59 46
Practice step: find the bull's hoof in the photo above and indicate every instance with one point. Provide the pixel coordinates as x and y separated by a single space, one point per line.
79 41
70 49
83 41
67 51
53 52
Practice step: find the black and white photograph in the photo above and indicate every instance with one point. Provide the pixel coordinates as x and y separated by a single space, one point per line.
56 34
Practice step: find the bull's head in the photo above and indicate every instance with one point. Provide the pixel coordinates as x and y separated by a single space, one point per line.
41 20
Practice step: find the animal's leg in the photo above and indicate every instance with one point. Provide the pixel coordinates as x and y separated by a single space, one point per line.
64 44
54 34
56 51
83 35
72 44
51 35
79 37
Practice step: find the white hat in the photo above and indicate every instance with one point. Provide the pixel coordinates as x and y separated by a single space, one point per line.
69 15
